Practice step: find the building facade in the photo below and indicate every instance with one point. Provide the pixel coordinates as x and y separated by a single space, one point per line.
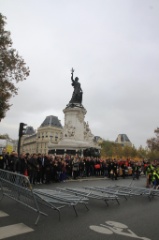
38 141
51 132
123 140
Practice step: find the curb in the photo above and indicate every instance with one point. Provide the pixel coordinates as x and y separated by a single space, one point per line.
86 179
96 178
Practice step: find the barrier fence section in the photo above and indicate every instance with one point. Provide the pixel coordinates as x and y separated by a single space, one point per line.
128 191
113 192
139 191
109 191
56 197
17 187
91 194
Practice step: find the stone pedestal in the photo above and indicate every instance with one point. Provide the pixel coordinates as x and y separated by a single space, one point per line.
74 124
76 132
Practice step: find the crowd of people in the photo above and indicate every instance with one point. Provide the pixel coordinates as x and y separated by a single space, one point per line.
42 169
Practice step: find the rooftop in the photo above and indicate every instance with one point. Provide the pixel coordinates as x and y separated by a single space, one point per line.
51 121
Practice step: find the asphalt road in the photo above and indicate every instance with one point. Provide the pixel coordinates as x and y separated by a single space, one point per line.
135 218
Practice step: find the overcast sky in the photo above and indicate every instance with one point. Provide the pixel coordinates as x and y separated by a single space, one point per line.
113 45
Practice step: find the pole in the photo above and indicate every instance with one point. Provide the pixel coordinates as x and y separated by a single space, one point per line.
19 143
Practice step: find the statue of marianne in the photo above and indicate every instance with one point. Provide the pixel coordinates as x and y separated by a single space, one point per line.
77 93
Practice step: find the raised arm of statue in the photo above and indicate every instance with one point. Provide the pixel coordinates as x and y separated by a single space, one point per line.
72 71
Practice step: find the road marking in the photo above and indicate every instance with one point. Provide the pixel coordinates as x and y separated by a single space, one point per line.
116 227
13 230
3 214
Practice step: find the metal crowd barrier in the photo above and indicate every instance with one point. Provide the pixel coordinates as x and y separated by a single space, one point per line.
139 191
127 191
52 197
17 187
91 194
114 192
109 191
131 191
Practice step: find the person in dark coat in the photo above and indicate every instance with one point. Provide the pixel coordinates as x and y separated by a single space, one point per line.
32 162
22 165
12 161
115 169
47 166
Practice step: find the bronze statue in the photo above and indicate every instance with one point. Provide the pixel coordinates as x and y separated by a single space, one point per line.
77 93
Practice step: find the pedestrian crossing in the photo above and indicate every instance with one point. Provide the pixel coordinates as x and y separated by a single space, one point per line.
12 230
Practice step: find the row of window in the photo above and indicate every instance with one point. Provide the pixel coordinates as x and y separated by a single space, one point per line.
46 135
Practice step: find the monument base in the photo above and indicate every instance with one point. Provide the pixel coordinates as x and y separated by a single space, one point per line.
77 135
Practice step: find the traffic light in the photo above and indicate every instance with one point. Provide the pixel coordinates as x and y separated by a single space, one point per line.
22 129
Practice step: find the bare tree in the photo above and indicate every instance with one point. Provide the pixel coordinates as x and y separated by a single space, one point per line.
153 143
